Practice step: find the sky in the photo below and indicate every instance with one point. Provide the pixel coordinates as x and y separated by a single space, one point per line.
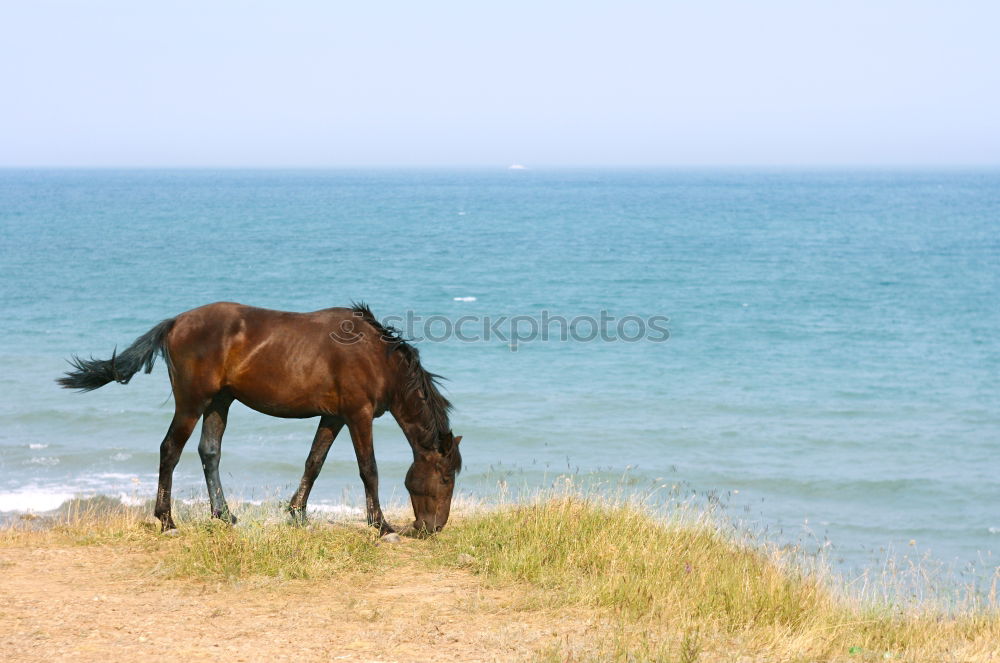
308 83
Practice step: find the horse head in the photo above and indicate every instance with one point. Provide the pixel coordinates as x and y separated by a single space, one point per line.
431 482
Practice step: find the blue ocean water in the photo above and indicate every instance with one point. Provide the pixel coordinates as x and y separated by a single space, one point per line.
832 369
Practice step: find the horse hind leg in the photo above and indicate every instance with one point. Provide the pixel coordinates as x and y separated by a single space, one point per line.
210 450
326 433
173 443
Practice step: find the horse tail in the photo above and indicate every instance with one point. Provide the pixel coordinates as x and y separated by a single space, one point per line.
90 374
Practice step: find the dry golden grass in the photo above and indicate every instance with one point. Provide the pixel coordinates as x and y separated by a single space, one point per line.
656 589
206 548
678 588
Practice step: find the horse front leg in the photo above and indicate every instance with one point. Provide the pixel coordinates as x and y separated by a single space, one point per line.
213 425
361 436
326 433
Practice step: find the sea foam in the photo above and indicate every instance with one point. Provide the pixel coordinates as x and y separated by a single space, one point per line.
29 499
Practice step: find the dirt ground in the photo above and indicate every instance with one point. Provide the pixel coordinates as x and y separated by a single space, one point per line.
96 604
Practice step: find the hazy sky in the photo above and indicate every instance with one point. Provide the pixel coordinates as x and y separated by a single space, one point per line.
309 83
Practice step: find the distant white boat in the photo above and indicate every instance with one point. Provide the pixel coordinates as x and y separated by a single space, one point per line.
516 166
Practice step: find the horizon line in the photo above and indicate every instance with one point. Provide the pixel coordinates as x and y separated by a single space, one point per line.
542 166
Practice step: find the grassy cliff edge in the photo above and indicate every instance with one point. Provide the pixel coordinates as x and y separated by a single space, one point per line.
659 589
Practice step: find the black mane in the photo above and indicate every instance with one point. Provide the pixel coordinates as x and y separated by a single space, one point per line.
418 379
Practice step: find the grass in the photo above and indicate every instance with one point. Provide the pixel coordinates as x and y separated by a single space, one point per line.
584 552
681 586
674 589
215 550
208 549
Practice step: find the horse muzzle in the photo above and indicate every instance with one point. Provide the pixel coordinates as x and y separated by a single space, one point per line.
422 528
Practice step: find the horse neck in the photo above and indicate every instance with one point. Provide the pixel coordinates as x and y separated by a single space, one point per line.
417 418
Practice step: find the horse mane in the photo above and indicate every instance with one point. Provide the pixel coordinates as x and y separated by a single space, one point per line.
434 406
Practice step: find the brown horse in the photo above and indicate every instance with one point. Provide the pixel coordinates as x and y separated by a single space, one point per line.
339 364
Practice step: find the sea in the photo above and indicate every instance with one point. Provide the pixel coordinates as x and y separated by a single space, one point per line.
813 353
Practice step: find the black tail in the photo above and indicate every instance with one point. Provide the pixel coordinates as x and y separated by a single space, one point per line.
89 374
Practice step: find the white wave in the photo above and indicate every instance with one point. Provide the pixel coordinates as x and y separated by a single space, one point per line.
32 499
993 530
131 500
464 299
38 445
43 460
121 456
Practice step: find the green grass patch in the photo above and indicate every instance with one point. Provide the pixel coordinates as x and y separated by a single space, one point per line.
615 556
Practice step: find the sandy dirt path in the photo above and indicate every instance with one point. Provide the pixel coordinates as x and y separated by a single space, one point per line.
96 604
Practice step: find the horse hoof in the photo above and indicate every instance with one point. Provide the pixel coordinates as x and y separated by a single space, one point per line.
224 516
392 537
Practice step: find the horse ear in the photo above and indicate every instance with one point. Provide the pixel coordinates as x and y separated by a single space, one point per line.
457 440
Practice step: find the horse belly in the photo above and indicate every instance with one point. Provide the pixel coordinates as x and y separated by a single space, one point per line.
278 409
275 383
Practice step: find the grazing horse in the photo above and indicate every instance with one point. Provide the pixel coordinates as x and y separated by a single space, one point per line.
339 364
